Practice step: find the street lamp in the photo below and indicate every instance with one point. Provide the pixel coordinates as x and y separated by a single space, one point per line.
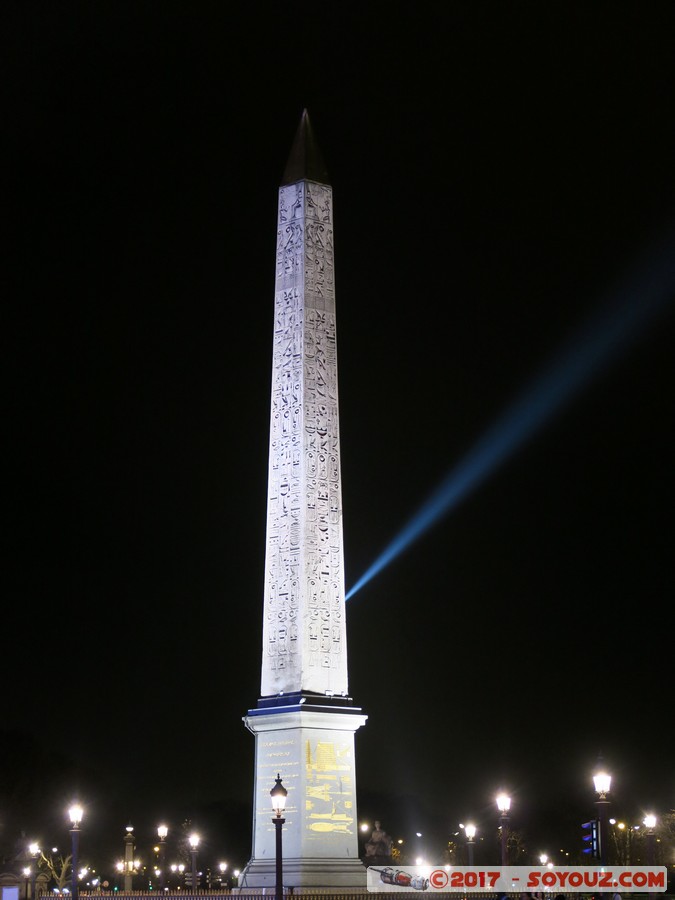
129 858
278 795
194 843
34 851
504 805
223 868
602 782
75 812
470 832
419 859
162 831
650 824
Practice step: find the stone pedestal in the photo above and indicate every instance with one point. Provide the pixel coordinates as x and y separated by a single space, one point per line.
309 742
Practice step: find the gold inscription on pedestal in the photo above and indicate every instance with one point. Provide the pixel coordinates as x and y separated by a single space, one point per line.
329 788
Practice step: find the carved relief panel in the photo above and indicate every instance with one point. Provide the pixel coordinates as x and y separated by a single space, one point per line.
304 630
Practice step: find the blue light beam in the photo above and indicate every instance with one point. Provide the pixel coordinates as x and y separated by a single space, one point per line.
611 330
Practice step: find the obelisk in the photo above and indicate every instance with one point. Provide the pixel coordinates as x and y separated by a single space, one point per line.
304 722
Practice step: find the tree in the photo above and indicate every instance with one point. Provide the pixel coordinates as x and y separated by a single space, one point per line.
516 846
58 867
630 845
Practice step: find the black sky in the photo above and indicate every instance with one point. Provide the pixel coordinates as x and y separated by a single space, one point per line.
496 168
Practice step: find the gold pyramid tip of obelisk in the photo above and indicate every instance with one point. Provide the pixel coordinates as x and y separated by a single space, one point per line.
305 160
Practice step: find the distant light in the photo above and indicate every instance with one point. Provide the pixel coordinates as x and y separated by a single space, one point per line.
503 803
76 812
602 782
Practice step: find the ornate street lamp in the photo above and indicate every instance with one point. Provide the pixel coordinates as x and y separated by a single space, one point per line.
129 848
75 813
162 832
34 851
602 782
470 832
278 795
504 805
194 843
223 868
650 824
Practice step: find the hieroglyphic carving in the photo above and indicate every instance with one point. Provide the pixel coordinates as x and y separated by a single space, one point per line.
304 629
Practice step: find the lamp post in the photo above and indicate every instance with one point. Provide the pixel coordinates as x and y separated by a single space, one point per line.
278 795
162 832
602 782
504 805
34 851
194 843
419 859
650 824
75 812
223 868
470 832
129 858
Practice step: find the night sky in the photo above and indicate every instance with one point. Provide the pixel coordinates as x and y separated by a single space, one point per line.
501 172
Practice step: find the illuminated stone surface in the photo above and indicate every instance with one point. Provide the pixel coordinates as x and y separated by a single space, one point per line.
305 722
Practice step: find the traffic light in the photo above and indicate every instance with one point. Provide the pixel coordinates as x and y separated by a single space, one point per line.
187 876
591 838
